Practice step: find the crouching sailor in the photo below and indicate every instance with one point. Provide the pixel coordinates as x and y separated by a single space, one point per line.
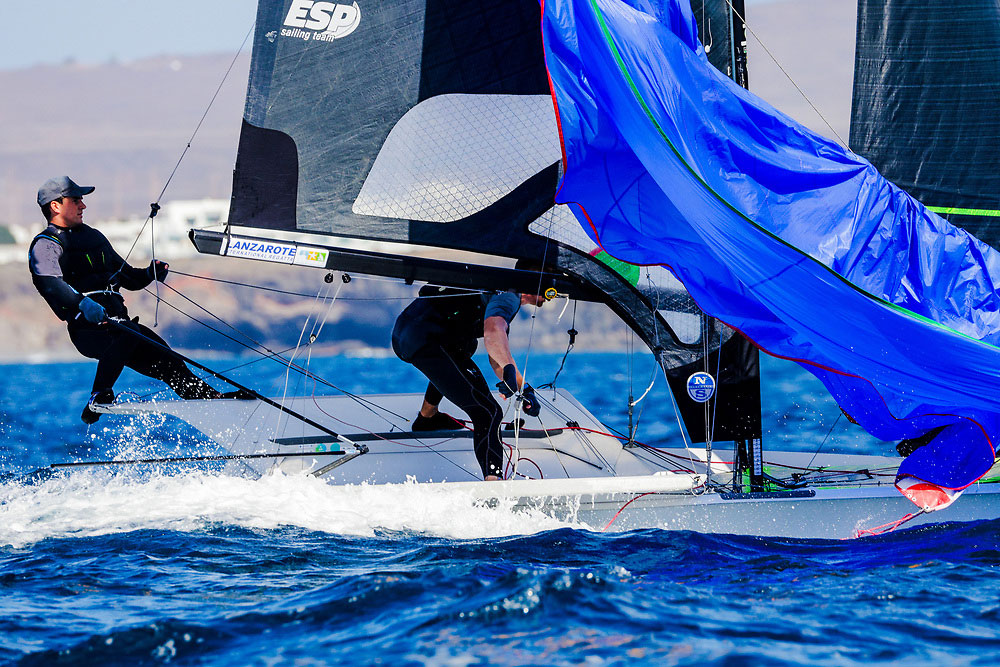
438 334
78 273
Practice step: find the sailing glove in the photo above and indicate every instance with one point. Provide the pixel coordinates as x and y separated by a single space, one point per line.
529 402
92 311
157 270
508 386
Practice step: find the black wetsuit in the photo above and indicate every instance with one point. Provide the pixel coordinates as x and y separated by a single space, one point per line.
438 335
68 264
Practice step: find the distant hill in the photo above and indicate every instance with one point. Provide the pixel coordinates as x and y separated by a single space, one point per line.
121 128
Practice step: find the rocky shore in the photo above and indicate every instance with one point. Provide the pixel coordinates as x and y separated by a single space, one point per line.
216 292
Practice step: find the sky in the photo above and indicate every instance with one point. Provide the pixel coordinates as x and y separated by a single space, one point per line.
56 31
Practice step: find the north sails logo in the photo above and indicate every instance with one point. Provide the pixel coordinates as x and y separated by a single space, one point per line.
321 21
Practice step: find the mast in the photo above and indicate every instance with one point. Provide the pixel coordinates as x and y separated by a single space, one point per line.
735 361
748 456
738 43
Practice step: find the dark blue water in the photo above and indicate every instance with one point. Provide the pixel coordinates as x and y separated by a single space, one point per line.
148 566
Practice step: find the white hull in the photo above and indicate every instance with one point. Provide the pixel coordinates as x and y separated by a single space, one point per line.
575 473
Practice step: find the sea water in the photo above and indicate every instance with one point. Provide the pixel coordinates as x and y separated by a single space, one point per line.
181 564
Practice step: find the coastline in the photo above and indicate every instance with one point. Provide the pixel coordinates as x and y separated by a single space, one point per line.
359 323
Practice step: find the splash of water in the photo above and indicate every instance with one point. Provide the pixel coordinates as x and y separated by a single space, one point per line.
90 503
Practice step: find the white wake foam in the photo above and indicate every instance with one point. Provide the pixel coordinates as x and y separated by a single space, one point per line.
88 503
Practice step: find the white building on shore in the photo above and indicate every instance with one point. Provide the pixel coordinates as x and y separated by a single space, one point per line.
167 233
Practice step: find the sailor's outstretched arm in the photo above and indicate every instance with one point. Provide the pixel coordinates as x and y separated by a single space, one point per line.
128 276
498 347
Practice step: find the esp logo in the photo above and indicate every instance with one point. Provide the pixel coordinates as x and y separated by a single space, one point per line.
337 19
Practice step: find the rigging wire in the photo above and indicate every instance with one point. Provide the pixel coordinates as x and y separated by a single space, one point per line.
323 288
629 361
155 206
398 281
656 365
527 353
265 352
219 319
788 76
888 527
658 360
224 371
421 445
652 381
718 382
706 334
585 442
821 444
569 348
707 22
268 354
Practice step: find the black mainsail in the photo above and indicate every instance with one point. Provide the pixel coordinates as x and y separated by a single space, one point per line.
430 123
925 113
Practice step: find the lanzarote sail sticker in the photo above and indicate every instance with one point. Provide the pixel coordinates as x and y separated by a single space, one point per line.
270 251
307 256
267 251
701 387
320 21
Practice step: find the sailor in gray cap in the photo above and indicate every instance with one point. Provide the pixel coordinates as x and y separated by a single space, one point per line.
57 188
79 274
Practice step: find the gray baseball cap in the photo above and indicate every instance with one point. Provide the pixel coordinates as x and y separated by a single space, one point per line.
63 186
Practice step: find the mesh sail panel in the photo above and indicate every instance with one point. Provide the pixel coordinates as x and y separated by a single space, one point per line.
432 167
423 121
663 292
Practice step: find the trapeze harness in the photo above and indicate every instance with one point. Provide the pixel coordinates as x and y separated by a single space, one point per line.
68 265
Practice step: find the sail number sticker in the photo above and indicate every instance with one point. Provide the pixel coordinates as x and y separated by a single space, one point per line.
701 387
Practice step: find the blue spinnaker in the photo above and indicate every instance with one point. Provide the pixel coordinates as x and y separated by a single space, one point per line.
784 235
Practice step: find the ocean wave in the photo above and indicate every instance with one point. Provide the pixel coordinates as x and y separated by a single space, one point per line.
90 503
